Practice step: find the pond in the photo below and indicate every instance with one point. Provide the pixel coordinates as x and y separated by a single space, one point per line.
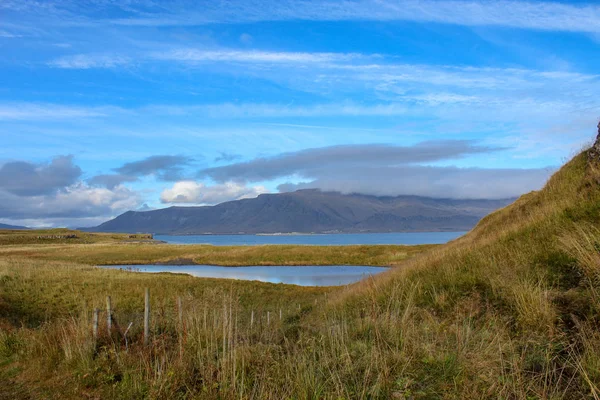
308 275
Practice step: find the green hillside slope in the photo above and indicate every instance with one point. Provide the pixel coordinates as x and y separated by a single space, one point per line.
510 310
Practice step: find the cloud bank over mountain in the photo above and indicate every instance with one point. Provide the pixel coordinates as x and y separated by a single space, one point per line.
386 170
58 191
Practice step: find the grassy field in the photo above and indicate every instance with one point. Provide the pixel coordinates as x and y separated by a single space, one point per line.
66 236
119 252
511 311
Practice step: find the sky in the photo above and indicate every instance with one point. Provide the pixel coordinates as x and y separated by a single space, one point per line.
108 106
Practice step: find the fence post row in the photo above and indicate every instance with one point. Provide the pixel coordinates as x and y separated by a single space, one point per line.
226 321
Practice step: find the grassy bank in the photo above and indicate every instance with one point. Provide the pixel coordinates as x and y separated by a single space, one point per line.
67 236
46 347
143 253
511 310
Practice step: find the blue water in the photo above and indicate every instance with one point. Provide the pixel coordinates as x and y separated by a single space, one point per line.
296 275
329 239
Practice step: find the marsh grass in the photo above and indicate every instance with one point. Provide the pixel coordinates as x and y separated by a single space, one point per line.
117 253
509 311
66 236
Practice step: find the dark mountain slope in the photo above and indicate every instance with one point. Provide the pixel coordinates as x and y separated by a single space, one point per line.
12 227
309 211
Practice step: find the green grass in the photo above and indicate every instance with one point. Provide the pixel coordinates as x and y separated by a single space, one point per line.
66 236
509 311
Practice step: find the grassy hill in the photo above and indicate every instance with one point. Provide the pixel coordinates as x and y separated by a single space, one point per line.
511 310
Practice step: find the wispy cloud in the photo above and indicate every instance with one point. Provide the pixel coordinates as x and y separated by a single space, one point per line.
518 14
88 61
33 111
251 110
5 34
227 157
256 56
199 56
374 77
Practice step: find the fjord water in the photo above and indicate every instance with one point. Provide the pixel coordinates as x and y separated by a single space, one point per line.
294 275
337 239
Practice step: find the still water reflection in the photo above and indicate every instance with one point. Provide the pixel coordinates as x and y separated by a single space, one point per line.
296 275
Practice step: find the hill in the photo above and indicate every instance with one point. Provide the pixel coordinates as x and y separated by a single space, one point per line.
12 227
509 310
309 211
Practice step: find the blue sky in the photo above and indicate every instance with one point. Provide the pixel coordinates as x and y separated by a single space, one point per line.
109 106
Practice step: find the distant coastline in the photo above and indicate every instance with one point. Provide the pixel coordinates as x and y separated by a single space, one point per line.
315 239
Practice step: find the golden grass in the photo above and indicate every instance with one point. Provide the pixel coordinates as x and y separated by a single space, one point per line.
115 253
66 236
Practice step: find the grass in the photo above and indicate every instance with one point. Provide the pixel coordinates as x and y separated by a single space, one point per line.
511 310
115 253
66 236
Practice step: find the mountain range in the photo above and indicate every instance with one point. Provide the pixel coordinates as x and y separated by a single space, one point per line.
12 227
309 211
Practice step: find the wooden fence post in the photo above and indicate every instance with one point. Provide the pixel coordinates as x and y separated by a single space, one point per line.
108 315
268 318
95 324
251 318
147 317
180 327
180 312
280 314
125 336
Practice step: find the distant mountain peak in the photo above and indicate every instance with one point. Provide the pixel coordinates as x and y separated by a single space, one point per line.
309 211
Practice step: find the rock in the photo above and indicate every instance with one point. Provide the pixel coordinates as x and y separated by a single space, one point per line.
594 153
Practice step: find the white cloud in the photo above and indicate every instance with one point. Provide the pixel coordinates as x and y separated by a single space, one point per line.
52 193
72 203
191 192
